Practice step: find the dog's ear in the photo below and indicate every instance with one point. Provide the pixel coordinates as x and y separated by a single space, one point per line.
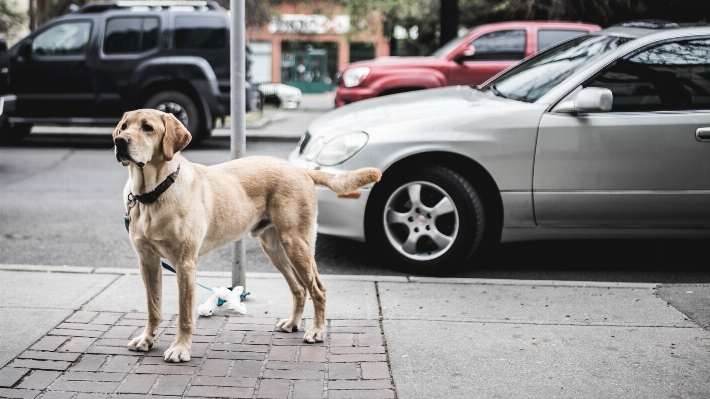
176 136
117 130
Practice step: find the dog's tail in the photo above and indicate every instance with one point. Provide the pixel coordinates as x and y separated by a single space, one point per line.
346 182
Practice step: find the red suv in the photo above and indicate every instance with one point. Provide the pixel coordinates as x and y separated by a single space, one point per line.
471 59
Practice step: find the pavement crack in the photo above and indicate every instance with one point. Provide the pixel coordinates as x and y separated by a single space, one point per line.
384 341
83 305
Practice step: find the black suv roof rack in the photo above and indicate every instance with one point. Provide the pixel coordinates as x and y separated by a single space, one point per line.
140 5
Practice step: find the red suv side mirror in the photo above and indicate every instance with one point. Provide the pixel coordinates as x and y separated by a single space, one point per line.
465 54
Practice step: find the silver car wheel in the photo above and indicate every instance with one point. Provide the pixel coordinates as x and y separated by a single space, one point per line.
175 109
411 225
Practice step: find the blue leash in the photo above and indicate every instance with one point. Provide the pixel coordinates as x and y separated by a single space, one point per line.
219 301
170 268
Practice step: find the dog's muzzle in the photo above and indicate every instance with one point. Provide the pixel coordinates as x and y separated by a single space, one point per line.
121 151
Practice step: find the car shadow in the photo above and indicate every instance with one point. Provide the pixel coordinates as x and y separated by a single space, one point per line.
652 261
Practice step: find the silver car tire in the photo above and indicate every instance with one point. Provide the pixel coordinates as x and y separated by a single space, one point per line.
430 221
184 109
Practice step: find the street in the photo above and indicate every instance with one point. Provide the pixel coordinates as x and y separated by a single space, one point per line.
60 204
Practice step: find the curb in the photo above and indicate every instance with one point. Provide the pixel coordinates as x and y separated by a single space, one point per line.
332 277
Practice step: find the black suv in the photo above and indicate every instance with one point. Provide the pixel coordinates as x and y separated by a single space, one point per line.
92 65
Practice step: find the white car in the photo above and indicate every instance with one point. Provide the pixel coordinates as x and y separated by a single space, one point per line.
282 95
606 135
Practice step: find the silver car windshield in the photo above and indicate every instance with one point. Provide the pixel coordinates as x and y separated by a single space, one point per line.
533 78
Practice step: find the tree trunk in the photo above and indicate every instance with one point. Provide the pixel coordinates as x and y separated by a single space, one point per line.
449 19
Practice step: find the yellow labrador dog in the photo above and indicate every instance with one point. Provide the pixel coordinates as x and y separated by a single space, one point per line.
179 210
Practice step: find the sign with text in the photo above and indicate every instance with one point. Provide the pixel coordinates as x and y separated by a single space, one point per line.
310 24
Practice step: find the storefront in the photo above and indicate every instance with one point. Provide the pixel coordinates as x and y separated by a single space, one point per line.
306 50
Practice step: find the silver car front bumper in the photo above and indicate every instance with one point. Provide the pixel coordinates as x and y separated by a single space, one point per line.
342 217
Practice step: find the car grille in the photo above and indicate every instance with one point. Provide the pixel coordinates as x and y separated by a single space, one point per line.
303 142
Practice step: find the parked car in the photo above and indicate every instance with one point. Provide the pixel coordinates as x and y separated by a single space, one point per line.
606 135
90 66
470 59
279 94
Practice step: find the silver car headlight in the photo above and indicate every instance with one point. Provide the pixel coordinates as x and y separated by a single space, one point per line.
314 148
354 76
341 148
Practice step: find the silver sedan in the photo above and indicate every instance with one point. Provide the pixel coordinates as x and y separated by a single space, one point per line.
603 136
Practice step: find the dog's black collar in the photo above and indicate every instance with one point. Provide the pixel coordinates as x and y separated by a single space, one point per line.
152 196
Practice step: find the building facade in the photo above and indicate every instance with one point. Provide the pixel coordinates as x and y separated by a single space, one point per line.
304 47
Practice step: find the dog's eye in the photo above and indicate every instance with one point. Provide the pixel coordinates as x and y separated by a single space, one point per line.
147 127
123 127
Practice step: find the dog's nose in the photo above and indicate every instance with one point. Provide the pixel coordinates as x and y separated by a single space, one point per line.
121 141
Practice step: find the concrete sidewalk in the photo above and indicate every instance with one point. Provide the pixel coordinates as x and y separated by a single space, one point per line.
64 331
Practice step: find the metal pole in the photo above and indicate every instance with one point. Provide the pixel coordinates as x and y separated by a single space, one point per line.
237 110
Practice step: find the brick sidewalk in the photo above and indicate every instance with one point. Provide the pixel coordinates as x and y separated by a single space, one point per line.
232 357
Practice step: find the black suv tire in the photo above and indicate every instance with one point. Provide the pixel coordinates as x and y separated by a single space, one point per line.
184 109
10 135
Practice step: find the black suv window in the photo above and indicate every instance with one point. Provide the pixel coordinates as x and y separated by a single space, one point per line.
69 38
200 32
130 35
672 76
549 37
500 46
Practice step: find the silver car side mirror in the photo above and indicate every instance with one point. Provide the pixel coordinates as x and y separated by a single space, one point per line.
590 99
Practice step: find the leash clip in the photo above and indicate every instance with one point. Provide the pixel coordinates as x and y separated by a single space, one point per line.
132 200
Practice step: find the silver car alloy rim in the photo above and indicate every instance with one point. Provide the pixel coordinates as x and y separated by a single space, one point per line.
421 220
175 109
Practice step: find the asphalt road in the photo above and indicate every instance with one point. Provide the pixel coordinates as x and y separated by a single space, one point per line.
60 204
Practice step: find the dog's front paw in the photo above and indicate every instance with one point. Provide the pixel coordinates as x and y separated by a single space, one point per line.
177 353
287 325
142 343
314 335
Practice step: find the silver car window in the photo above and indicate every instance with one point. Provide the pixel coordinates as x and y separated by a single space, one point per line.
669 77
533 78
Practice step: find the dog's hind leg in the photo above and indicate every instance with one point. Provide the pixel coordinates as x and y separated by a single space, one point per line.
152 274
317 290
275 252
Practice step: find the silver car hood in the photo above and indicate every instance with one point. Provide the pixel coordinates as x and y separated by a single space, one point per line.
448 109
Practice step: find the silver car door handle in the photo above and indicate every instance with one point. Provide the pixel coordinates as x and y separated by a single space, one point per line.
703 134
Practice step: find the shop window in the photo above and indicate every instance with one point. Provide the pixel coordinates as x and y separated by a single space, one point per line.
310 66
360 51
261 62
